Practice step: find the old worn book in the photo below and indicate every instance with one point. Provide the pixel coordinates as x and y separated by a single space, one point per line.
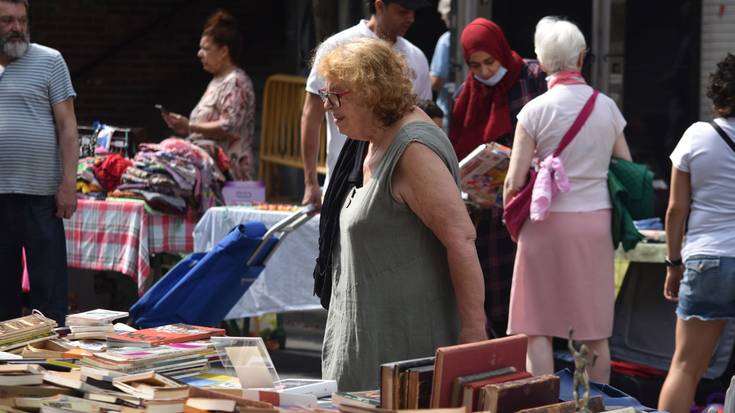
205 403
32 390
465 359
19 374
243 404
18 332
390 376
483 171
418 383
171 333
151 386
51 348
71 379
465 389
595 405
515 395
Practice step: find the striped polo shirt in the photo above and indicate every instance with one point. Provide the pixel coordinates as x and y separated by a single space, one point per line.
30 160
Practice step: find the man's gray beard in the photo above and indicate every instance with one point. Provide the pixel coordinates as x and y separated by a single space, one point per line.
15 49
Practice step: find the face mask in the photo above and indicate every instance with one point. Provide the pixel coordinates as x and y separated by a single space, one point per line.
494 79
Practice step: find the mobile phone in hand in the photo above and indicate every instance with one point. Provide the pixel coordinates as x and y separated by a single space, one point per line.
161 108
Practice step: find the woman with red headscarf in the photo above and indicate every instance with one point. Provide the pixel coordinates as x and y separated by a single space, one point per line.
499 83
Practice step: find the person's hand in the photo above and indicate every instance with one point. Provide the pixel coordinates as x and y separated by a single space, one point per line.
472 334
66 200
312 196
672 283
178 123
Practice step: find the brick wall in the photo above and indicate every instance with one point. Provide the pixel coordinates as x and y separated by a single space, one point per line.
127 55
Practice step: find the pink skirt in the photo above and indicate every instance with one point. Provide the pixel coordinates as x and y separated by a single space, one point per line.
564 277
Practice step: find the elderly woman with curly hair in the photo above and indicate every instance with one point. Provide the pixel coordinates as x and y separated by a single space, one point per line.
404 269
700 275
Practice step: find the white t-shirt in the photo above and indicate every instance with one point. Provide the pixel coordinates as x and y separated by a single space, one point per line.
414 57
703 154
587 158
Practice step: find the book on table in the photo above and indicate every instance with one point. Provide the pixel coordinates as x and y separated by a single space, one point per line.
465 389
482 173
94 317
212 381
151 386
315 387
33 390
391 388
18 332
19 374
511 396
242 402
464 359
367 399
51 348
168 334
417 382
209 404
278 398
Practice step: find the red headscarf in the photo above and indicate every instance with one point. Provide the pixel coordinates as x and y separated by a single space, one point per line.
481 113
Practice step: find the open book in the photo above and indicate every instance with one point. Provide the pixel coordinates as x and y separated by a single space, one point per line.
482 174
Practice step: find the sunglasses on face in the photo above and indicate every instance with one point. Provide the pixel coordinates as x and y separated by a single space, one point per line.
334 98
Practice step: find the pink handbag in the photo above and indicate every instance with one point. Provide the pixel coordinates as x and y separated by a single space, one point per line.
518 209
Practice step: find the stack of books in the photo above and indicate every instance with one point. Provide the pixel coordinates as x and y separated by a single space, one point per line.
94 324
16 333
176 359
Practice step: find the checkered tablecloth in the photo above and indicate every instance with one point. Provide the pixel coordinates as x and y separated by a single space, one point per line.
121 235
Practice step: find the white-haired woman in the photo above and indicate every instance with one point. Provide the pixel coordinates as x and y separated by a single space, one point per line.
563 275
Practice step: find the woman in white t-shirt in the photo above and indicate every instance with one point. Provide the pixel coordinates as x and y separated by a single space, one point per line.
564 272
700 276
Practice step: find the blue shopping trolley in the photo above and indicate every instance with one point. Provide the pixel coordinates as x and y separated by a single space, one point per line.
203 287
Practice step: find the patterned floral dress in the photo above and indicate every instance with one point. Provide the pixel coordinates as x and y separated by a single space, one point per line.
231 100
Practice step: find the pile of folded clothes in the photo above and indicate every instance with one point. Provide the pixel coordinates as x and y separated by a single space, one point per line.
172 177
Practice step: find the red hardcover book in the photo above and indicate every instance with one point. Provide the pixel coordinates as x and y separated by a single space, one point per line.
172 333
465 359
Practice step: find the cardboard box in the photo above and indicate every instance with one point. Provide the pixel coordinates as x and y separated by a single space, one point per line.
243 192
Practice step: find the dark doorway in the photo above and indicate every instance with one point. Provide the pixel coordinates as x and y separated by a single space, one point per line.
518 20
661 86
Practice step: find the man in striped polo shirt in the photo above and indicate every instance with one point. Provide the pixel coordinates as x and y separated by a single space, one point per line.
38 159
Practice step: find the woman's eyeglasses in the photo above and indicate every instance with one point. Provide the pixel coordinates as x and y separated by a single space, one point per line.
334 98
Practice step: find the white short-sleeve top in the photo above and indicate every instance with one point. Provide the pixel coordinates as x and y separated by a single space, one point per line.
587 158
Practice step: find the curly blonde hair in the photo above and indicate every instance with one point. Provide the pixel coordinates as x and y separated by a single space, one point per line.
374 72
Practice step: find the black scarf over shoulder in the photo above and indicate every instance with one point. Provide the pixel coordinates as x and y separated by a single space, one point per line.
347 174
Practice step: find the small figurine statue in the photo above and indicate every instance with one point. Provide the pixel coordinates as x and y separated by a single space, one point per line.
582 360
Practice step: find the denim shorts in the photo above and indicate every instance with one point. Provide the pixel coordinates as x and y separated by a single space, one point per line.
707 291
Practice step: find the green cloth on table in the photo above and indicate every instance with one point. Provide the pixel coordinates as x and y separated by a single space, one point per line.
631 193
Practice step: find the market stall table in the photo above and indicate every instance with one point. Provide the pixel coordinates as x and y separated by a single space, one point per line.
286 283
121 235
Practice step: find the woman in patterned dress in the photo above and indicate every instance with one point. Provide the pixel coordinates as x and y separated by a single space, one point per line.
225 115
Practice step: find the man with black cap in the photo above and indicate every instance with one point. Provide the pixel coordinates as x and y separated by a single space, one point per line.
389 20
